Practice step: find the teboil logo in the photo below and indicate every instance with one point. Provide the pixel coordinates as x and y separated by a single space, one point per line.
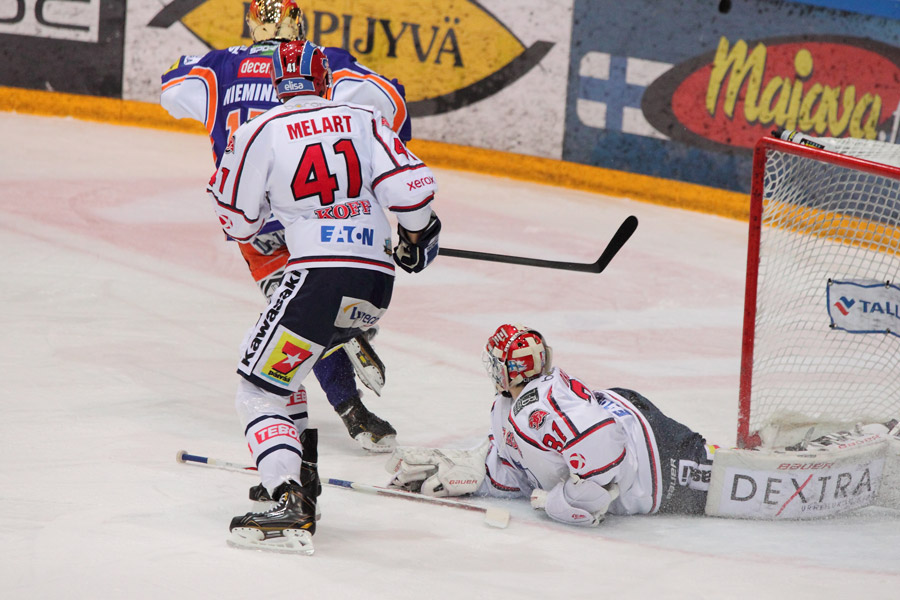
272 431
828 86
454 51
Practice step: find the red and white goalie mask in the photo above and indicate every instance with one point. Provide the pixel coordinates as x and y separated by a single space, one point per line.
514 355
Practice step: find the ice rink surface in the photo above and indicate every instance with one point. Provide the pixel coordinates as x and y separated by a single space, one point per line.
122 311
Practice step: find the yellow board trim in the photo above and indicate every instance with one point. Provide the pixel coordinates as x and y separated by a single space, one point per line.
644 188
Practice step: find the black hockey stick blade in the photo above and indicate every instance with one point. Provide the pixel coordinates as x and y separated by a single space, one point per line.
621 236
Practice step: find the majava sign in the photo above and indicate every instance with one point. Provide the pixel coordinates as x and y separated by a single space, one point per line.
822 85
448 53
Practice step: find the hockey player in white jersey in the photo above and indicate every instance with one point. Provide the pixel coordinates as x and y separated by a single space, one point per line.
225 88
327 171
576 453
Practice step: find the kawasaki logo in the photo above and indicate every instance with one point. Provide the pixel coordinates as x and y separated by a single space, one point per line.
456 52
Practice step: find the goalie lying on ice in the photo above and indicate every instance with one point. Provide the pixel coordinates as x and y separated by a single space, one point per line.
580 454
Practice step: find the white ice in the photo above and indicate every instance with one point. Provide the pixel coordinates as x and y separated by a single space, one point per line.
122 310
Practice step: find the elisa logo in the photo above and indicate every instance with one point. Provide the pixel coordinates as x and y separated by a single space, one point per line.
831 86
455 51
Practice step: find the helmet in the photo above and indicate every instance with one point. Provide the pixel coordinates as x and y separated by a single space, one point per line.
275 19
299 67
514 355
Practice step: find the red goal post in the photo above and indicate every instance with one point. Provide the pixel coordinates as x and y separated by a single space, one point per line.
822 290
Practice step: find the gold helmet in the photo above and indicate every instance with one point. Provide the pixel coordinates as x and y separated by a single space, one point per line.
275 20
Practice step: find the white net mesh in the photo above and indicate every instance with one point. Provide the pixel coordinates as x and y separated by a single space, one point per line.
823 222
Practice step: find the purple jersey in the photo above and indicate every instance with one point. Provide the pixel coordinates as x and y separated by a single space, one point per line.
225 88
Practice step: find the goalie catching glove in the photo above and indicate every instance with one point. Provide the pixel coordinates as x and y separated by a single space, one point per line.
436 472
414 256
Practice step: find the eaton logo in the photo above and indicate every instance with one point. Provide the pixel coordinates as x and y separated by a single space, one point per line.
347 234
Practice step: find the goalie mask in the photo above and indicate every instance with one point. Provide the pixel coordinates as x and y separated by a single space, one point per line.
299 67
514 355
275 20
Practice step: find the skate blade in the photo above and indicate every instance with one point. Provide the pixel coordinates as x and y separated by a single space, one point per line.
385 444
291 541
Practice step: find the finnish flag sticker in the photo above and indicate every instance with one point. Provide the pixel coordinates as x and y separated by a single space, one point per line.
864 306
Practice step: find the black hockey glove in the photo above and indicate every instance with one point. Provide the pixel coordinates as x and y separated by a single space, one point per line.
413 257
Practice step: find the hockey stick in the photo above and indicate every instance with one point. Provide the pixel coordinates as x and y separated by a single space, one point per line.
493 516
618 240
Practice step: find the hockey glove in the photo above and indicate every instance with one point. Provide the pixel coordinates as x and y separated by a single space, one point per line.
412 256
436 472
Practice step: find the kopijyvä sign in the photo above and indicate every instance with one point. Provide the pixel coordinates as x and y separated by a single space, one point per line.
455 51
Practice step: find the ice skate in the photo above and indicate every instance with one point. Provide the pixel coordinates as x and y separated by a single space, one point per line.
288 527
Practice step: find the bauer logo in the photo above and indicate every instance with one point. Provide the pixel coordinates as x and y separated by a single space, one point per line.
455 51
830 86
864 306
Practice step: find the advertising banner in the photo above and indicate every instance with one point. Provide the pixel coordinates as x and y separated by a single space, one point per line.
63 46
489 74
687 96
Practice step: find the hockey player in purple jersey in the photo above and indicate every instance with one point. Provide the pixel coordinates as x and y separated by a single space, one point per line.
576 453
226 88
328 171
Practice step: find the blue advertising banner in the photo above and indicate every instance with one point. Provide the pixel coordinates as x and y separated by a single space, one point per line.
685 95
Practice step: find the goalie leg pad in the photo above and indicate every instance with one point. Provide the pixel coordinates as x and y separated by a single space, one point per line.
366 363
811 484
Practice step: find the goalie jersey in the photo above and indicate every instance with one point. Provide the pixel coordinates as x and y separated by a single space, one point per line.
226 88
560 433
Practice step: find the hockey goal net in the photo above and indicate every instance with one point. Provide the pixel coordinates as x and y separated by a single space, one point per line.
821 342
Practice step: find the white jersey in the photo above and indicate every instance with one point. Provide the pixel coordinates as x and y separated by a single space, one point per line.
326 171
557 428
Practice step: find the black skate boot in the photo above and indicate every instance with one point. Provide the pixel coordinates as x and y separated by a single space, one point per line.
309 440
372 433
290 525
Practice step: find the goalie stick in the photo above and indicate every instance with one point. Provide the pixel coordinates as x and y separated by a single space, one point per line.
618 240
493 516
